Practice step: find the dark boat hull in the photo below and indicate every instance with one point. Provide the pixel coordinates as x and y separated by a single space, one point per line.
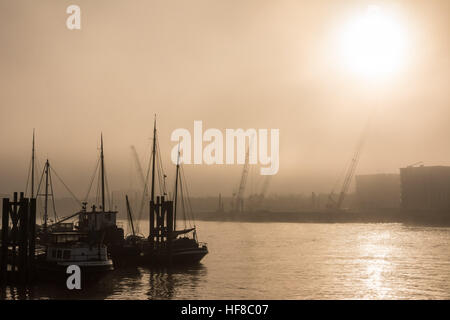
125 255
52 268
177 257
191 256
56 271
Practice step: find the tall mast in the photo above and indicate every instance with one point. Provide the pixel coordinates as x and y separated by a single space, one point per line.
130 216
32 169
176 191
47 167
153 161
102 173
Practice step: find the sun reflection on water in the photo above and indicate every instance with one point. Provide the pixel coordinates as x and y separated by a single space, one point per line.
376 253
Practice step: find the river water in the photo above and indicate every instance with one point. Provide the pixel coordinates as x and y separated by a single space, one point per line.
287 261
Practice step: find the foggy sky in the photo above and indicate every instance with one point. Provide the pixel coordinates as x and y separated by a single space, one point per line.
229 63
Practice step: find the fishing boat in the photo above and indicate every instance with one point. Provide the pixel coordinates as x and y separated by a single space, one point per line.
101 222
61 245
166 244
73 248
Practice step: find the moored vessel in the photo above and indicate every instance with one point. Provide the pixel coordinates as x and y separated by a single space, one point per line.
63 249
165 244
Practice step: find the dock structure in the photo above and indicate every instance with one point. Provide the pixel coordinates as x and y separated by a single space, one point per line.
18 240
161 225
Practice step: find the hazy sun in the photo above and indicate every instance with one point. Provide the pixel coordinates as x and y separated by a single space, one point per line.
374 43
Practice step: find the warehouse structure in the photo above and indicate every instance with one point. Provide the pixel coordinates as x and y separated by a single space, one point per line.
426 190
378 191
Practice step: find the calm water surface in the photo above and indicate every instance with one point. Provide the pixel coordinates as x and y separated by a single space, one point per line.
288 261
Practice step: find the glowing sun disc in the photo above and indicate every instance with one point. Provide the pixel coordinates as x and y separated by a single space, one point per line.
374 43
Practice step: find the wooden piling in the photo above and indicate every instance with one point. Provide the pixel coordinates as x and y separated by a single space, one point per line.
23 240
32 239
168 208
18 246
4 252
152 224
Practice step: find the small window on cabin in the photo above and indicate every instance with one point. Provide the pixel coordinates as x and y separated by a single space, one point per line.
59 254
66 254
53 253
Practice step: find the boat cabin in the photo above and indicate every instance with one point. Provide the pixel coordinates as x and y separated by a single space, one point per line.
70 246
65 238
62 227
96 220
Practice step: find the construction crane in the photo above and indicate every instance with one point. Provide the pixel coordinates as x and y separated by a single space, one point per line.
265 186
239 197
144 185
337 205
138 165
257 199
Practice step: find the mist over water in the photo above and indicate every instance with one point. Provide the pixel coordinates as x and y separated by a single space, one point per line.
289 261
236 65
258 64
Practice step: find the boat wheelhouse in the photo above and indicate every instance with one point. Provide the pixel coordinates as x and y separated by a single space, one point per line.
96 220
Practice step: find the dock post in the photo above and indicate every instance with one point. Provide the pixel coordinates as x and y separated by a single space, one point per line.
32 238
158 223
18 244
14 230
152 224
23 239
163 223
4 252
168 208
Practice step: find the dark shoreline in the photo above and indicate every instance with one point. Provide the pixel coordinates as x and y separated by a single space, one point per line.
326 217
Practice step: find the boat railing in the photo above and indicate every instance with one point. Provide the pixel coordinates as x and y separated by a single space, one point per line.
89 258
80 257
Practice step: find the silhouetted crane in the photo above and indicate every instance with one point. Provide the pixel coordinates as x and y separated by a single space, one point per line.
337 205
138 165
239 197
257 199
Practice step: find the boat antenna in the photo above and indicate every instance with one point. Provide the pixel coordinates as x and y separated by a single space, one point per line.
176 190
152 197
103 172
